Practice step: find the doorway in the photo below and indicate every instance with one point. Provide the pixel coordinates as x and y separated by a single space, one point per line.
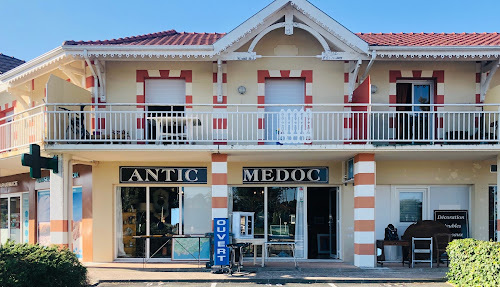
322 222
414 119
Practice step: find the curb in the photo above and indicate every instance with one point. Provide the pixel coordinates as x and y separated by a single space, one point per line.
277 281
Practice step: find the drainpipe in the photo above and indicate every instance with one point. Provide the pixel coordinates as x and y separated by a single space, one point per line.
219 81
96 82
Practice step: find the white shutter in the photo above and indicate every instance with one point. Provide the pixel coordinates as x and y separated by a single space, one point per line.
171 91
285 91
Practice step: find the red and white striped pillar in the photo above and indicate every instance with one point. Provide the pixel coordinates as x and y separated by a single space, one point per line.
61 202
220 109
219 186
364 210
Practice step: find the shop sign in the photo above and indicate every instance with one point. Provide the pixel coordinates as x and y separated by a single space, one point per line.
285 175
456 220
221 240
8 184
156 174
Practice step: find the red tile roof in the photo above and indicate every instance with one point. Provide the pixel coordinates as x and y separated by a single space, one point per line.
170 37
431 39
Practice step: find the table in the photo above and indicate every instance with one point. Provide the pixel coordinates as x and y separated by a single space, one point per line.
169 121
382 243
290 244
255 242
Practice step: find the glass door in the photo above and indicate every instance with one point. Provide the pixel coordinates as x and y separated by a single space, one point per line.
322 222
4 220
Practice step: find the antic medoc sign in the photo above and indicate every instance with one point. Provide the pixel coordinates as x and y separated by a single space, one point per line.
285 174
158 174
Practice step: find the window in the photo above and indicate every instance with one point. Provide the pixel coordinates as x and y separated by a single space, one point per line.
414 122
493 212
410 206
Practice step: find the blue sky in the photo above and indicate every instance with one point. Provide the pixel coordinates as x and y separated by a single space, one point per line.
33 27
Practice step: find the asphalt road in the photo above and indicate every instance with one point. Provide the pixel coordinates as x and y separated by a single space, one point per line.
233 284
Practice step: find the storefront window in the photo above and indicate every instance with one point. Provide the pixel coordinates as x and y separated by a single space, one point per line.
131 221
250 199
197 210
164 218
4 219
493 203
77 222
410 206
43 215
168 212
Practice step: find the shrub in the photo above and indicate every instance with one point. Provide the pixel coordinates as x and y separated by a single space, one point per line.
474 263
35 265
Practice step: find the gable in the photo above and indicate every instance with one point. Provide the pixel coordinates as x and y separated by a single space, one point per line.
288 16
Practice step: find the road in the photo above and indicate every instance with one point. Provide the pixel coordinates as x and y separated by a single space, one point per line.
234 284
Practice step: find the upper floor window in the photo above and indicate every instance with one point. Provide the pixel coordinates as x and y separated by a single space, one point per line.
415 93
170 94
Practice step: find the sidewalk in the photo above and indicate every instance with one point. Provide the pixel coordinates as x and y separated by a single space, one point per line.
275 272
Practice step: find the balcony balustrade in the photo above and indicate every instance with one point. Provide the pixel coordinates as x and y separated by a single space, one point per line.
326 124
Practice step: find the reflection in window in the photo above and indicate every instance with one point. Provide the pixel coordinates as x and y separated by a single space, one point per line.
421 96
130 221
492 210
250 199
410 206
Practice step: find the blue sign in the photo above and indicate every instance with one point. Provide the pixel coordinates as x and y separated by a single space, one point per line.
221 240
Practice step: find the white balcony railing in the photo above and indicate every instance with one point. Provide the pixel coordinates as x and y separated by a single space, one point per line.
377 124
22 129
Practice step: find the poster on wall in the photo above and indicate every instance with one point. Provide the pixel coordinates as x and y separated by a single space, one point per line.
456 220
43 215
77 222
191 248
26 214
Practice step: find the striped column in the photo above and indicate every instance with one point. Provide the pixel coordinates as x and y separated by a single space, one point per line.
61 203
347 109
220 111
261 101
364 210
219 186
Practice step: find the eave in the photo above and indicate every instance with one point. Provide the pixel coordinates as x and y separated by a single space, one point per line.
466 53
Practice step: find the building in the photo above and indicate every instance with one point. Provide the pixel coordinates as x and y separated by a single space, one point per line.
291 122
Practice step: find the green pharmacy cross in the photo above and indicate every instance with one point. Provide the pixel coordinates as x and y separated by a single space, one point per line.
36 162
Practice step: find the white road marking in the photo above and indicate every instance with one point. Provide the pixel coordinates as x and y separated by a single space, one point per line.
332 285
213 284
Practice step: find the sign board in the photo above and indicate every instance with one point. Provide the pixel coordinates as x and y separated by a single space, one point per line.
158 174
221 240
456 220
285 175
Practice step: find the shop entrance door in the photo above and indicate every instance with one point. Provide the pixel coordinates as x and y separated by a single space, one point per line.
322 222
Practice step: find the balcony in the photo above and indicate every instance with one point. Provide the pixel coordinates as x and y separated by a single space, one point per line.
328 124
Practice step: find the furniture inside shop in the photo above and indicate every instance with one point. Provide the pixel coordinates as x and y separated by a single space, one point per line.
441 241
421 246
422 229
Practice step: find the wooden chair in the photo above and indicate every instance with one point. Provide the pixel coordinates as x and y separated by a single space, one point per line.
441 242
